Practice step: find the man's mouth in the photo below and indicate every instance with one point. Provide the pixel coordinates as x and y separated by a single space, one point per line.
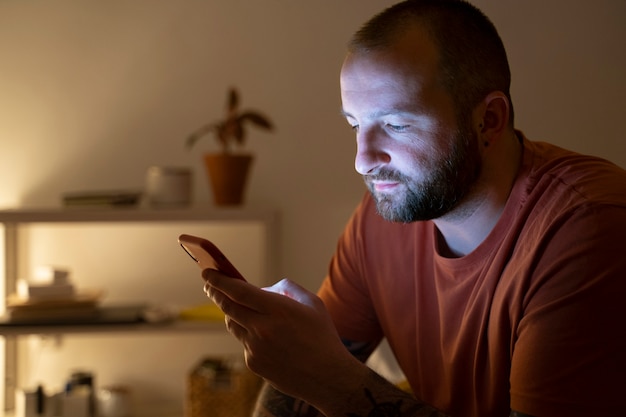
384 186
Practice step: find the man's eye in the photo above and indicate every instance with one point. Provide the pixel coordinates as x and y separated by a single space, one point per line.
398 128
354 127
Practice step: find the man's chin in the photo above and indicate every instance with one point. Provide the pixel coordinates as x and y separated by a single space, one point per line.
390 209
388 200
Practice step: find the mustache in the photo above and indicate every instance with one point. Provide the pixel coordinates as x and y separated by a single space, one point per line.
384 175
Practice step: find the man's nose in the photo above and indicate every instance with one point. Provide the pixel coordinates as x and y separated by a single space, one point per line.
370 153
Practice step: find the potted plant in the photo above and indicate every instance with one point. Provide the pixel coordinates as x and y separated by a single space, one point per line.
228 170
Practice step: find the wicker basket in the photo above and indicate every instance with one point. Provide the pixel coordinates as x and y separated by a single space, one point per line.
216 388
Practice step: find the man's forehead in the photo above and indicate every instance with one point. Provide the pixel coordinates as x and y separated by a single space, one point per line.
412 53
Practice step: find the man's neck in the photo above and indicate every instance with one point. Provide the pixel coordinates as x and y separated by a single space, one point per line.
467 226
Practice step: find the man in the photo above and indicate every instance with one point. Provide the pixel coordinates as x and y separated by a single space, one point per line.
493 265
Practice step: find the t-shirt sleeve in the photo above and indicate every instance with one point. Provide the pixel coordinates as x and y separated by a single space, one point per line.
571 342
344 290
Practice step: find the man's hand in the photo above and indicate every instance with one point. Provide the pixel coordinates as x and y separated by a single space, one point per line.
288 337
290 340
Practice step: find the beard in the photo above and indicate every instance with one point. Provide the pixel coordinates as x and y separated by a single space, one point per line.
441 191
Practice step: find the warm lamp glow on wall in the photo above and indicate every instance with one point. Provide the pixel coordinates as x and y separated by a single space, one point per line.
3 277
8 199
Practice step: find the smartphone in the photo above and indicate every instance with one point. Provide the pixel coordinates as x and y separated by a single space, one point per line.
207 255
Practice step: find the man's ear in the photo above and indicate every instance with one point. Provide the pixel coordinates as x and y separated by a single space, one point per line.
492 117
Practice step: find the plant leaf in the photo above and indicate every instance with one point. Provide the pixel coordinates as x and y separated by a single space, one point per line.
233 100
257 119
239 134
231 129
199 134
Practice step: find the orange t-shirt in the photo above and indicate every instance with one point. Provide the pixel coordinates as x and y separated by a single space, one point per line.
533 320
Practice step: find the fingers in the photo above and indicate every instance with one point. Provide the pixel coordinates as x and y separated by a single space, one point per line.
217 286
221 288
231 306
253 313
239 291
242 303
235 329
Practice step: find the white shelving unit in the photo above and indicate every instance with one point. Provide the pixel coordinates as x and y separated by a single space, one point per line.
24 229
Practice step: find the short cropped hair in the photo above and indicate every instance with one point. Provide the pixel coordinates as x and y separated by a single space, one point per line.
472 58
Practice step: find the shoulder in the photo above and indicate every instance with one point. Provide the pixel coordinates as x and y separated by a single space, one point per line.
574 176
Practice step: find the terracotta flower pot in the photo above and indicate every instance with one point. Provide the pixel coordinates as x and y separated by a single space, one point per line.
228 175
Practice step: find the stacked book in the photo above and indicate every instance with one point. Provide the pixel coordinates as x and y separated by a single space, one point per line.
49 299
77 307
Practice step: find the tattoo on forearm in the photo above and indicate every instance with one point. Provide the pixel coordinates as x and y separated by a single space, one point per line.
518 414
377 397
383 409
395 404
273 403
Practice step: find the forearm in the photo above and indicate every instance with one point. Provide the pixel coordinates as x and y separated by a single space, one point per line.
373 393
273 403
377 395
291 341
